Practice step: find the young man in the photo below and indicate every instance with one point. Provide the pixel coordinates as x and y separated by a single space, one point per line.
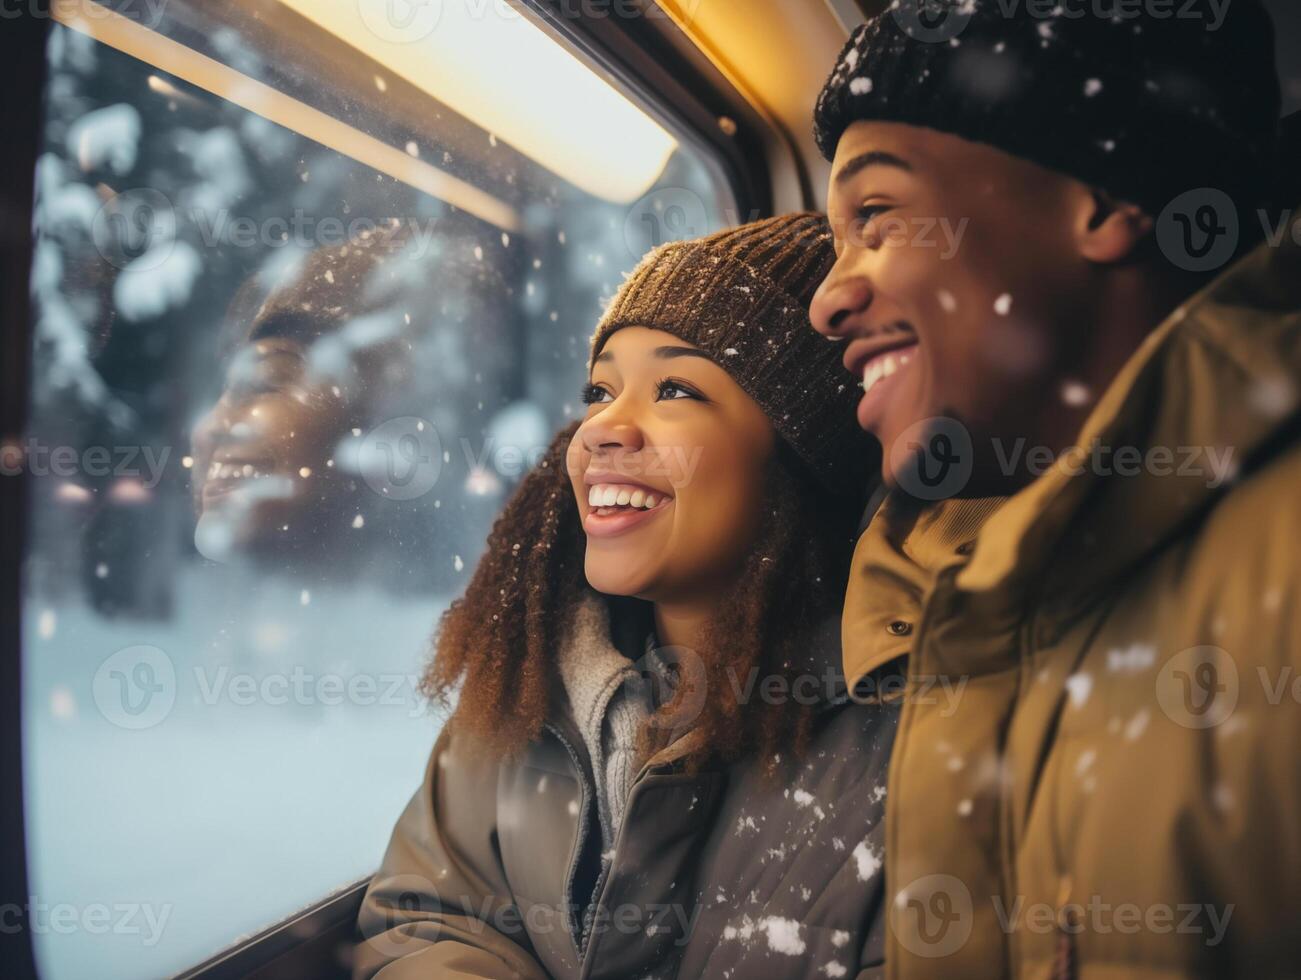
1064 281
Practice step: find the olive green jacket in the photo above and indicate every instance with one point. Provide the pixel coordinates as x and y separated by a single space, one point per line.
1115 789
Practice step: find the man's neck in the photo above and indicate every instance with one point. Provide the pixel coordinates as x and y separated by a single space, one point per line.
1133 304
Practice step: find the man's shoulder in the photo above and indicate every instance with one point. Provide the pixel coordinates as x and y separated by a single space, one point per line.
1241 566
1263 502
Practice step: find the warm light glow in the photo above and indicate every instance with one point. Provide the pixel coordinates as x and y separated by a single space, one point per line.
488 62
134 39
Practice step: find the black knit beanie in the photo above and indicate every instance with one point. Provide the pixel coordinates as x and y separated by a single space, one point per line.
1146 99
742 295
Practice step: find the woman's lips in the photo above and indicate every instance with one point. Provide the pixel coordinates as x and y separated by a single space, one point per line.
255 479
615 508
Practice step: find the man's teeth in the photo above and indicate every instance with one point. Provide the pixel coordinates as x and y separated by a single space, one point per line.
616 495
884 365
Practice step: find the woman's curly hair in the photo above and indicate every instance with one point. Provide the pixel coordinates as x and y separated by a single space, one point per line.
496 646
499 641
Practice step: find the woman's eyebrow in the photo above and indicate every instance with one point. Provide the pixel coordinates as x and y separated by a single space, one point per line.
669 352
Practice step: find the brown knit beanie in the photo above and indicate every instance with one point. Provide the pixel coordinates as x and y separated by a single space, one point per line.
742 295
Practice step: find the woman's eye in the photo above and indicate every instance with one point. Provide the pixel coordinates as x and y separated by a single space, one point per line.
673 390
594 394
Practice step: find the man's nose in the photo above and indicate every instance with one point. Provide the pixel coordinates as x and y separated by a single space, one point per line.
836 302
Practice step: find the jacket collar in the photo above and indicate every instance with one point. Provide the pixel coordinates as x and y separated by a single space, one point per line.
1221 377
597 654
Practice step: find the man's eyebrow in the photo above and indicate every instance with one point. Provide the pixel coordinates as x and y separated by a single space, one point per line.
872 158
668 352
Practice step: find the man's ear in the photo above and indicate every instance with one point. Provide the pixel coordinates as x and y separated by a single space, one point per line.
1109 231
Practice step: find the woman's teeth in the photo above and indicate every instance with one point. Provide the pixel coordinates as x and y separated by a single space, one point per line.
233 471
884 365
604 495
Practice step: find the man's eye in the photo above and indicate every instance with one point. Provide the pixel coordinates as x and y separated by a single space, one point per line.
863 232
594 394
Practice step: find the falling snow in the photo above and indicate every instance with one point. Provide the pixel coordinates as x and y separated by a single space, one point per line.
1137 725
1138 656
1079 686
782 935
868 863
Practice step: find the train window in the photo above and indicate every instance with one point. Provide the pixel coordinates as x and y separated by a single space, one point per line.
313 283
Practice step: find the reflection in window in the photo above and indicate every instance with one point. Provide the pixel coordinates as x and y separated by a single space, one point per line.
300 327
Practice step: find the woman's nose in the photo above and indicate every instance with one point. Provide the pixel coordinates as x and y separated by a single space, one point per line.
612 429
204 435
836 303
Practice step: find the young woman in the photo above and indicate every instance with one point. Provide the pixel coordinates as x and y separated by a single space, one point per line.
653 769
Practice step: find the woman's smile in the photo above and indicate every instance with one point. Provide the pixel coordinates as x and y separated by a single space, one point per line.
617 507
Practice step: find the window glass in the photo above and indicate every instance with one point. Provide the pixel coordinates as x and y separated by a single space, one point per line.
312 290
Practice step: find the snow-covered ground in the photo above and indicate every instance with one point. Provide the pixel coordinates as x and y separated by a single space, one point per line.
164 844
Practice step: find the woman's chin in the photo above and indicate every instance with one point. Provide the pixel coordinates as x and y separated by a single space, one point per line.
615 578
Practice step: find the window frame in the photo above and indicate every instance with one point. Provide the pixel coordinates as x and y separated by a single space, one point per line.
649 57
22 46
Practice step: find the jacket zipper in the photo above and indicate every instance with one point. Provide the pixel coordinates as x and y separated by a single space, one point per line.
586 792
585 950
949 574
580 937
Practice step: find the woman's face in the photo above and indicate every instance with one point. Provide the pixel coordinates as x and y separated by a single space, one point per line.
668 469
263 454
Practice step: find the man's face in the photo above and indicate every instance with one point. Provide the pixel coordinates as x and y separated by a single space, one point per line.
958 286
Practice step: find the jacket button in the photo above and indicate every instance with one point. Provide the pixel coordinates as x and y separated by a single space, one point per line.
899 628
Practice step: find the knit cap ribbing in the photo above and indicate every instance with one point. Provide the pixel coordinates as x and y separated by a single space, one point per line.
742 295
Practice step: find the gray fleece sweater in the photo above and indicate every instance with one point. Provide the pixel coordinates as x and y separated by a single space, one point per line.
611 697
